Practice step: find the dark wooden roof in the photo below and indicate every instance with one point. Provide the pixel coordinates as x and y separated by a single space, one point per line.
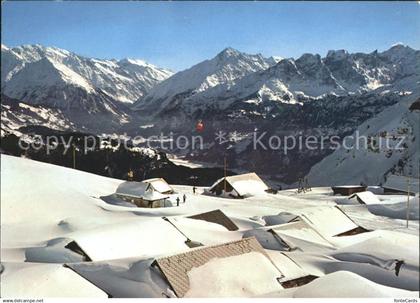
218 217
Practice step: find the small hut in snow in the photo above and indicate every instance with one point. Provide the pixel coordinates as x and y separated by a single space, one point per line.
160 185
399 185
141 194
239 186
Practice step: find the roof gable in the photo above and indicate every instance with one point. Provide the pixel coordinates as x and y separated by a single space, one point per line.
159 184
245 184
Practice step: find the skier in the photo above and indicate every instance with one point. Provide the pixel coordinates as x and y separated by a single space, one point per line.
184 198
177 201
194 188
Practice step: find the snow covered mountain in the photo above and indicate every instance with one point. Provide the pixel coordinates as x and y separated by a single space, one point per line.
53 76
288 81
392 147
16 115
225 68
234 92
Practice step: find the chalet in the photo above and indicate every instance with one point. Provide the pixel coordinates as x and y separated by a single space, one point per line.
239 186
401 185
141 194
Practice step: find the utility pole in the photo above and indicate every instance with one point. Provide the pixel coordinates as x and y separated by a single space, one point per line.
408 199
74 157
224 183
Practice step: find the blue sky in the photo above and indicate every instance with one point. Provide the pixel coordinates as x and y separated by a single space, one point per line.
179 34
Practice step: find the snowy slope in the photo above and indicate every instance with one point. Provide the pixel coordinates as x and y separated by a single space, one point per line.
15 114
397 67
370 165
344 284
125 80
50 206
39 280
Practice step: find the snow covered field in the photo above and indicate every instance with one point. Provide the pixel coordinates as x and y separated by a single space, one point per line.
59 238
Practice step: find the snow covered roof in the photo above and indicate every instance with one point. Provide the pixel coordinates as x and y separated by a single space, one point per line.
149 237
177 268
289 267
267 239
399 183
345 284
245 185
281 218
133 189
159 184
223 280
43 280
366 197
204 232
328 221
139 190
299 230
124 278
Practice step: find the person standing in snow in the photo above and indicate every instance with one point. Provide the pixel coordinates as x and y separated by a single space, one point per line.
177 201
130 175
184 198
194 188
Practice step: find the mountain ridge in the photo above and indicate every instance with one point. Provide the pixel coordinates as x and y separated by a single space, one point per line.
124 80
289 79
234 92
